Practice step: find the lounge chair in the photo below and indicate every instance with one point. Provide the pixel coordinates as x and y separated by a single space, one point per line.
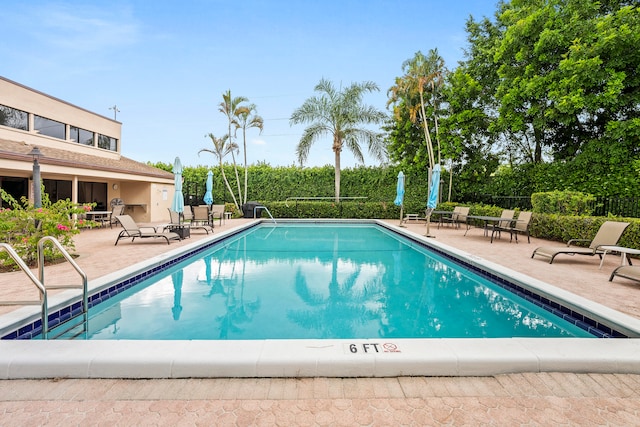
627 271
459 215
133 230
608 235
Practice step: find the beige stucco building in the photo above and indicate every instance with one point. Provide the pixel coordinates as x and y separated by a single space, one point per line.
80 159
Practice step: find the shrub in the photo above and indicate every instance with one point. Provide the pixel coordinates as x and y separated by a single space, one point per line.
562 203
22 226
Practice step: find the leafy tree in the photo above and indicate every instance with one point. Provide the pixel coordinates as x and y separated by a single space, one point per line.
247 117
552 79
339 113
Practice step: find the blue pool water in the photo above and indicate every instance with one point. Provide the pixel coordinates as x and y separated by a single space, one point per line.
320 281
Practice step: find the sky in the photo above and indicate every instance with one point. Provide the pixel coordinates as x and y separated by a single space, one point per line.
161 67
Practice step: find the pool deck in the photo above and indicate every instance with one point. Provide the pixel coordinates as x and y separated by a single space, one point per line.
509 399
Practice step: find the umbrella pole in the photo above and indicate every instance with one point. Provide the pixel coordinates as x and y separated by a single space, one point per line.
401 214
428 215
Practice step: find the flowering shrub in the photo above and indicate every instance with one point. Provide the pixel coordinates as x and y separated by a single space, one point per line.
22 226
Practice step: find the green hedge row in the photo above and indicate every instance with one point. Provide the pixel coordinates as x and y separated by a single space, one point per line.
556 227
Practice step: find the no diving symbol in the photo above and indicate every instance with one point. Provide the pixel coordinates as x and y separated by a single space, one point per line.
390 347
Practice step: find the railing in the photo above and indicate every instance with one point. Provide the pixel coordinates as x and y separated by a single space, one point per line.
622 206
42 302
602 206
262 207
321 198
82 286
39 283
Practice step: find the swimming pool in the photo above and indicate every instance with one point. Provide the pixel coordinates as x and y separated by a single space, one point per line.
324 357
323 281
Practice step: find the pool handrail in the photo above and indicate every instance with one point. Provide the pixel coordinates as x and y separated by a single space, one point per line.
42 302
83 286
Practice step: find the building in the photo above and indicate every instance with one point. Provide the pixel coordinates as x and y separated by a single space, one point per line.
80 159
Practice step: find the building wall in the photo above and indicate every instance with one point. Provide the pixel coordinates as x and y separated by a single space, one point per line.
148 196
31 101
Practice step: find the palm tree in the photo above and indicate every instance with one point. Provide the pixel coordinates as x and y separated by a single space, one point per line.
338 113
221 148
421 74
230 107
248 118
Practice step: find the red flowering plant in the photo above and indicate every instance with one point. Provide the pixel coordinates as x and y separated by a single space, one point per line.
22 226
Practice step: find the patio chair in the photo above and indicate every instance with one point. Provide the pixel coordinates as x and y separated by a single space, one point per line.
201 218
608 235
176 225
503 225
521 226
133 230
115 211
458 216
187 214
631 272
217 211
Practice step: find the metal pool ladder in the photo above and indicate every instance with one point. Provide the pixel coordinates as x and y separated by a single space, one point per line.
39 283
266 209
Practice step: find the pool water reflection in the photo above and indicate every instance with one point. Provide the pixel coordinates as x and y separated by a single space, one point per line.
320 281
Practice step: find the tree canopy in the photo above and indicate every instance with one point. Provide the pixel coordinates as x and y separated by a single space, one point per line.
553 82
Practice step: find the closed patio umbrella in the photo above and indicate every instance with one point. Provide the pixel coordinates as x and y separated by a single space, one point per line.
177 278
208 197
399 201
178 199
432 201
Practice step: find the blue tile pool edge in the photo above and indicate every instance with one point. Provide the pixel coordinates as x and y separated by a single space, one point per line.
599 326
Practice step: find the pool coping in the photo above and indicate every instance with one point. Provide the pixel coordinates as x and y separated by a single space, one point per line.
20 359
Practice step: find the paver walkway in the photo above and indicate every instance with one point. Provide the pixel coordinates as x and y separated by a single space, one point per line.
572 399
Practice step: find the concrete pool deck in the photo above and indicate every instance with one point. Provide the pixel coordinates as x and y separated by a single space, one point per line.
579 398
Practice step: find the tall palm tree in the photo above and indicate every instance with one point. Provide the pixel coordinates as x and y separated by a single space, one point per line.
422 75
230 107
221 148
339 113
248 118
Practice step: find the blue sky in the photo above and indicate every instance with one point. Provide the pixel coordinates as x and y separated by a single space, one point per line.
166 64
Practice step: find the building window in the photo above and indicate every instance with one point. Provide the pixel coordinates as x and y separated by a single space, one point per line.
57 189
81 136
107 142
13 118
49 127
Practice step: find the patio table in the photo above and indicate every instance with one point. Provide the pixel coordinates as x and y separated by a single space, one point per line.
624 253
100 216
493 220
442 214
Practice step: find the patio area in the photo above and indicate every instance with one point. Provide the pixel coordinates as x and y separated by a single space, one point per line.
536 398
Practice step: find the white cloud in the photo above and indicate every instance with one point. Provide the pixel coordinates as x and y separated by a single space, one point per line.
85 28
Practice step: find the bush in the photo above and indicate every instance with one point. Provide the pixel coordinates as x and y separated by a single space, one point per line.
566 227
563 203
22 226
